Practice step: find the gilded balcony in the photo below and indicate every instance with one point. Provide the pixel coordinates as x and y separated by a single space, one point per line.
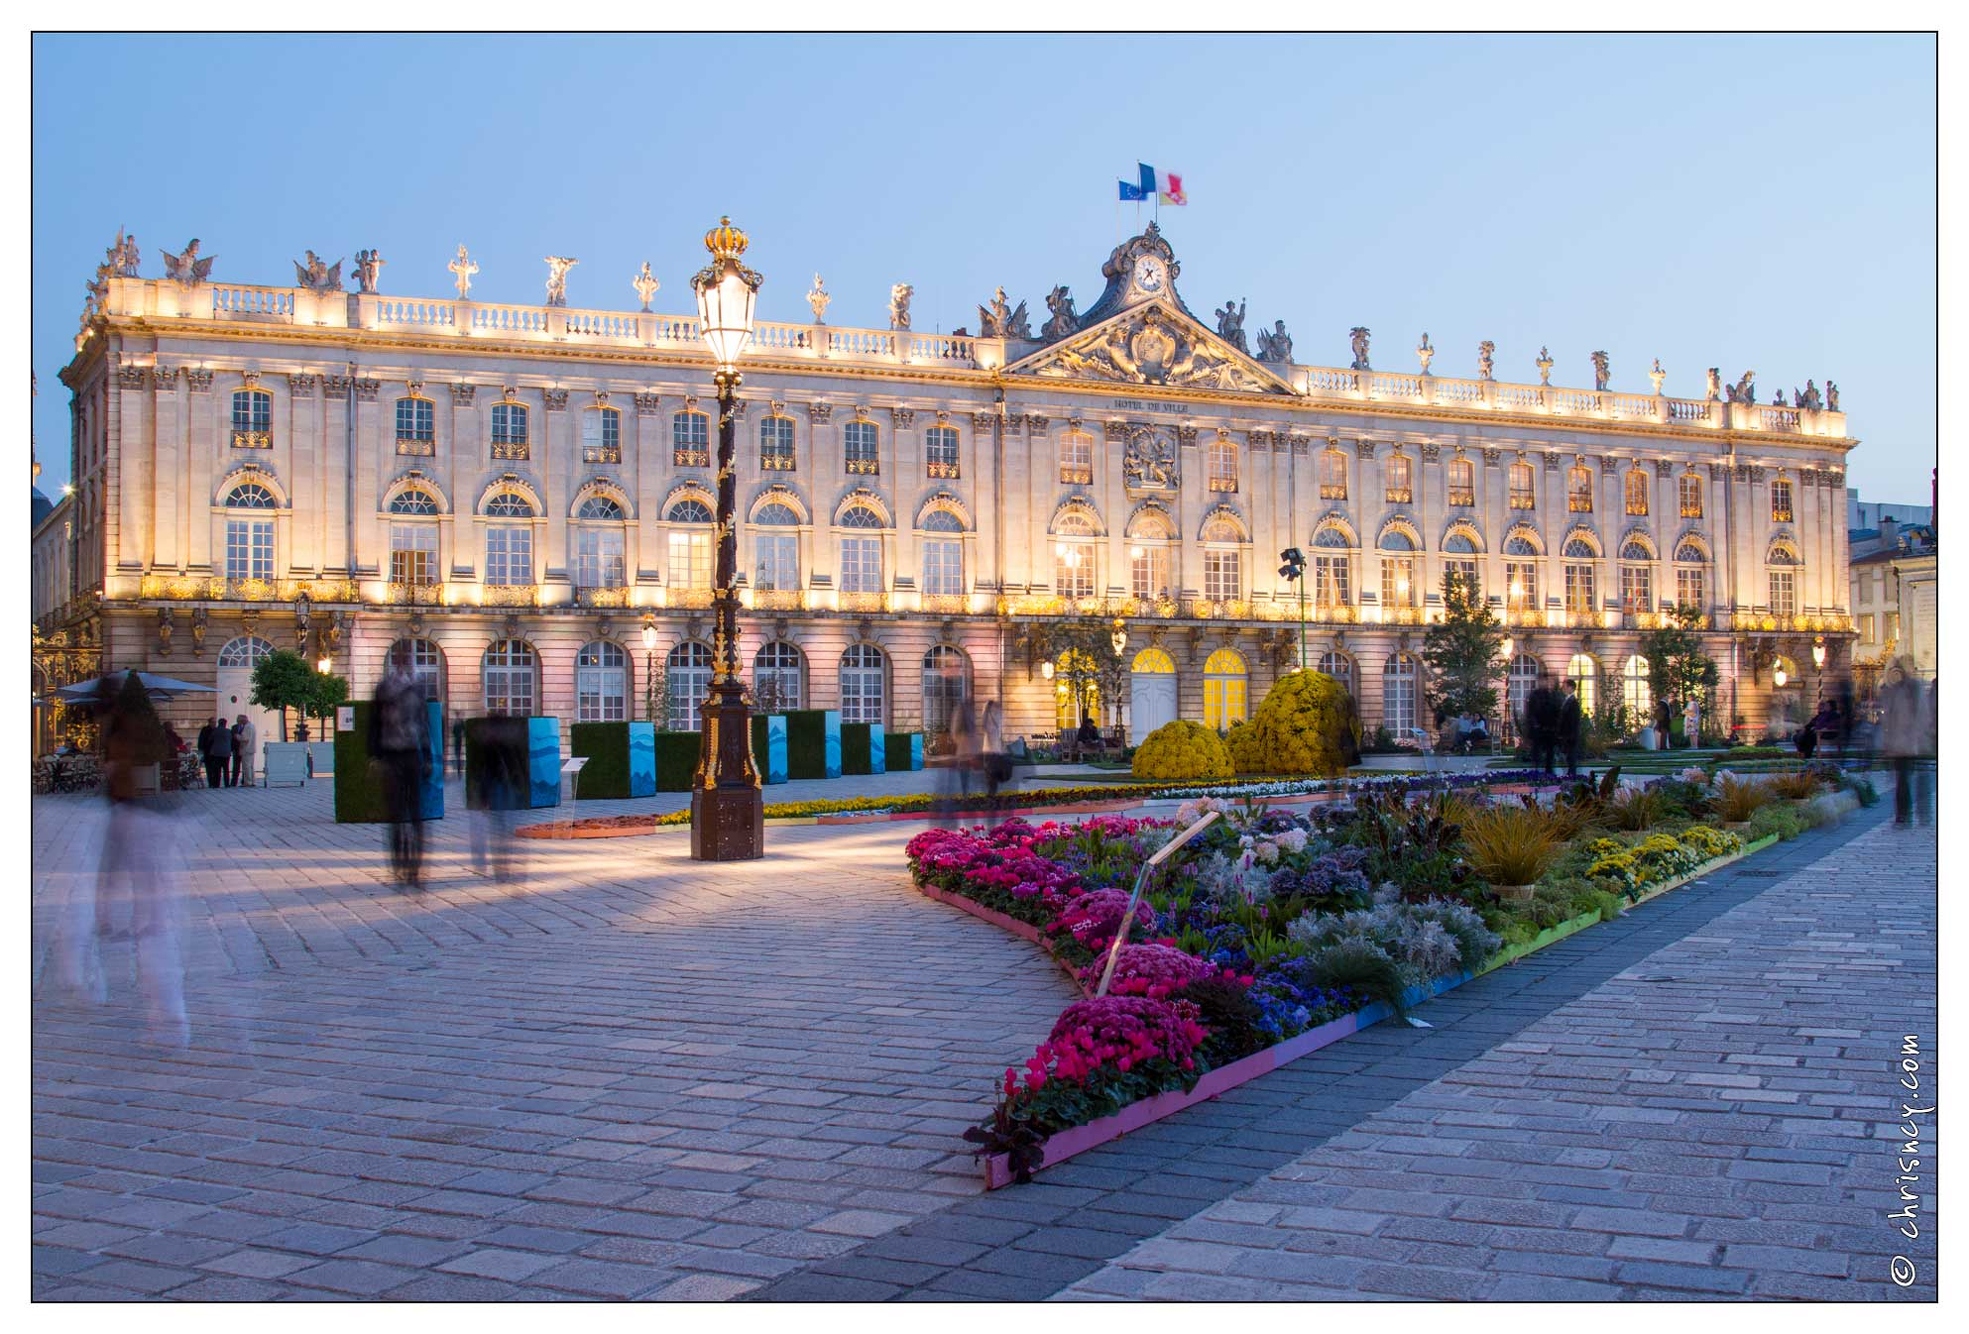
509 595
252 440
418 446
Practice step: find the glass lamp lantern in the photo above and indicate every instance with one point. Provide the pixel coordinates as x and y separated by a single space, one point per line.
726 294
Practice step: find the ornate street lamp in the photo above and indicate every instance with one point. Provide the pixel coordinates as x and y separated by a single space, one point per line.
1294 569
649 668
728 810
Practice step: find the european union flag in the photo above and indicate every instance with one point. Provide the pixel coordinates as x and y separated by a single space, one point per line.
1131 192
1141 190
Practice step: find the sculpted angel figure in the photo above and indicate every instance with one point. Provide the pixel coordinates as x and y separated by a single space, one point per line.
369 270
187 267
1230 325
1715 387
646 284
557 267
1601 371
1487 350
1358 336
1065 319
899 296
317 276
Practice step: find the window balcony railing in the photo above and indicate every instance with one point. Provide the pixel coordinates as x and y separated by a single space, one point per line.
1462 495
1692 509
687 456
1333 491
601 595
776 462
252 439
1780 514
417 446
1579 504
1076 474
511 451
863 467
776 599
689 596
415 592
864 601
1638 508
601 453
1523 500
942 468
510 595
1401 495
1223 485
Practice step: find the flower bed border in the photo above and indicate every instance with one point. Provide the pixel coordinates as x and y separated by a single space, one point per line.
1076 1140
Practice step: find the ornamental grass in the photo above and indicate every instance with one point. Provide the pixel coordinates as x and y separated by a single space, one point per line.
1794 786
1511 844
1738 799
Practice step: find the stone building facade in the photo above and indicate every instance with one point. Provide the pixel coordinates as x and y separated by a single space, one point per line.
523 491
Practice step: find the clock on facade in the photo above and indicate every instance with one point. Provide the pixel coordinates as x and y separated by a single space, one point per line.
1149 274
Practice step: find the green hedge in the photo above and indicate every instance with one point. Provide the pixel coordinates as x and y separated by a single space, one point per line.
606 746
477 733
904 751
807 749
858 748
358 787
676 760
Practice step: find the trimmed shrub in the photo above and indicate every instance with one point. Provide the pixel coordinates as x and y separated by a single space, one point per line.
1778 818
359 788
676 760
1247 756
1182 750
813 743
857 749
1304 726
905 751
606 747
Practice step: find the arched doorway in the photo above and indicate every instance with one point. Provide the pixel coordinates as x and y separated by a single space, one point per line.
1151 694
1398 699
1584 672
1224 683
1076 689
235 682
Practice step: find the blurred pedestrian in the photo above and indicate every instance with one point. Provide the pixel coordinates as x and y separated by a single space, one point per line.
1692 722
400 748
244 734
502 787
215 774
991 744
1904 736
1664 725
1571 725
1541 725
218 768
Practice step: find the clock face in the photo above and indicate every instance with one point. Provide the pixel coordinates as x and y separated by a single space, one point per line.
1149 274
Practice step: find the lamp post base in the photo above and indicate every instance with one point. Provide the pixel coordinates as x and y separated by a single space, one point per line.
728 806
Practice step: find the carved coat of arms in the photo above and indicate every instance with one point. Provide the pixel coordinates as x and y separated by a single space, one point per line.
1154 347
1150 461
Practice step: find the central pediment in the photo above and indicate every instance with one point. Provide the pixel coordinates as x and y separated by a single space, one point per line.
1152 343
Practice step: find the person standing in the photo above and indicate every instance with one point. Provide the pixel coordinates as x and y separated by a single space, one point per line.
1570 720
213 776
218 766
400 748
1903 735
1664 721
243 736
996 767
1542 725
1692 722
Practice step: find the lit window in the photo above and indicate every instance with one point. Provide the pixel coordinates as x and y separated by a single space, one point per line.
1148 571
1462 482
1689 490
1398 695
510 673
249 549
778 553
601 436
1637 491
1400 490
416 427
1522 494
686 680
1784 593
1222 464
1460 559
1333 475
1689 586
509 505
940 451
690 545
864 681
1635 691
509 431
1223 574
1584 673
414 500
1780 501
1224 691
1398 582
860 443
252 419
776 444
1579 489
413 553
1076 458
509 555
690 440
601 683
1073 557
599 560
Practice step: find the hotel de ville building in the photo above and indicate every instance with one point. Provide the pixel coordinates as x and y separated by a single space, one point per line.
525 495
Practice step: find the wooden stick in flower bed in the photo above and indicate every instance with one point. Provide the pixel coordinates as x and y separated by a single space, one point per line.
1163 854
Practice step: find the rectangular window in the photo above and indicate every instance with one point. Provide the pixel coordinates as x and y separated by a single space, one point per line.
779 563
249 549
861 564
601 436
252 419
416 427
1466 568
1073 569
1780 502
1332 581
1333 475
1637 492
1866 624
859 441
1148 573
1398 581
1890 631
1579 589
1522 495
1223 575
413 553
1223 465
598 558
1076 459
940 451
1688 588
690 558
1462 482
1637 588
509 555
943 568
1520 586
1579 490
690 440
1400 490
776 444
1689 489
1784 593
509 437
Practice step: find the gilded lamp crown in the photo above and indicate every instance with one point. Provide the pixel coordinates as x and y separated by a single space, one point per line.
725 241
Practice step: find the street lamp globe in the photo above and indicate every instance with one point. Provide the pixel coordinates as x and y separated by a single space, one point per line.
1818 653
649 636
1778 677
726 293
1507 646
324 664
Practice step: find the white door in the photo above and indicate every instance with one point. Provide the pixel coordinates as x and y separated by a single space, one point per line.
1152 702
234 698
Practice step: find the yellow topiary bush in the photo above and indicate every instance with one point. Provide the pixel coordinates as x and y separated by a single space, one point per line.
1182 751
1247 756
1304 726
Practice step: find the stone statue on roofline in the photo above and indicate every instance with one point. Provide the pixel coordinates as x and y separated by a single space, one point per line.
369 271
899 296
187 268
1275 346
1486 352
1602 371
1832 396
646 284
557 267
1065 319
462 269
1230 325
1656 374
818 298
1745 389
1544 364
1424 352
124 258
316 275
1001 320
1714 390
1358 336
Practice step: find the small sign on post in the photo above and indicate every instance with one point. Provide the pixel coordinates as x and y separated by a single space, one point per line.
571 770
345 718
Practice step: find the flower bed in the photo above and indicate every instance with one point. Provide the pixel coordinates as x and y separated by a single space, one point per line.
1275 933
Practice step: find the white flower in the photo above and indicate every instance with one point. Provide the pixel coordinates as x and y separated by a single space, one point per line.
1293 840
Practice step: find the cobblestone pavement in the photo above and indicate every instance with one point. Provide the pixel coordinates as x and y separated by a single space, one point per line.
628 1075
1720 1120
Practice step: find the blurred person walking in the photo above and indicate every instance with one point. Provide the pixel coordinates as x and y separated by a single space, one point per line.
502 782
1571 724
1541 725
997 766
1906 738
400 748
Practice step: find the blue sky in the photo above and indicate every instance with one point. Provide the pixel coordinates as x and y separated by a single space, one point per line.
1756 202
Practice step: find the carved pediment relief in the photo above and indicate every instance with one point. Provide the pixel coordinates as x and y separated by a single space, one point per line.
1152 345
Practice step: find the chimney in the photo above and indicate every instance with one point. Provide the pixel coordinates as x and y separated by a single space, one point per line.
1888 530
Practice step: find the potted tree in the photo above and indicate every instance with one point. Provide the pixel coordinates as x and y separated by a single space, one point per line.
328 693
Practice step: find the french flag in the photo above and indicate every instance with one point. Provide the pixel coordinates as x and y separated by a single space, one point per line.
1165 185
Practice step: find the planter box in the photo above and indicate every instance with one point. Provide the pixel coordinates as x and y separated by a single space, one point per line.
676 760
323 755
285 762
531 745
864 749
358 786
621 760
904 751
813 743
769 746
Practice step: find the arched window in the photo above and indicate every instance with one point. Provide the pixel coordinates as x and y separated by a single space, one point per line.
1223 689
861 557
1519 681
1635 692
414 545
417 431
778 553
509 546
1523 493
1781 501
776 444
1584 672
1398 695
251 496
1073 556
940 451
1691 587
1401 491
252 419
1223 559
601 435
864 685
946 683
778 678
600 545
1333 562
249 542
601 683
1636 484
1579 489
1399 586
861 444
690 439
1579 570
1076 458
1636 576
511 676
244 651
943 556
690 546
1148 555
414 500
1221 466
510 439
1784 563
426 664
686 680
1338 666
1689 489
1076 690
1520 574
1462 481
1333 474
1153 662
1460 558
